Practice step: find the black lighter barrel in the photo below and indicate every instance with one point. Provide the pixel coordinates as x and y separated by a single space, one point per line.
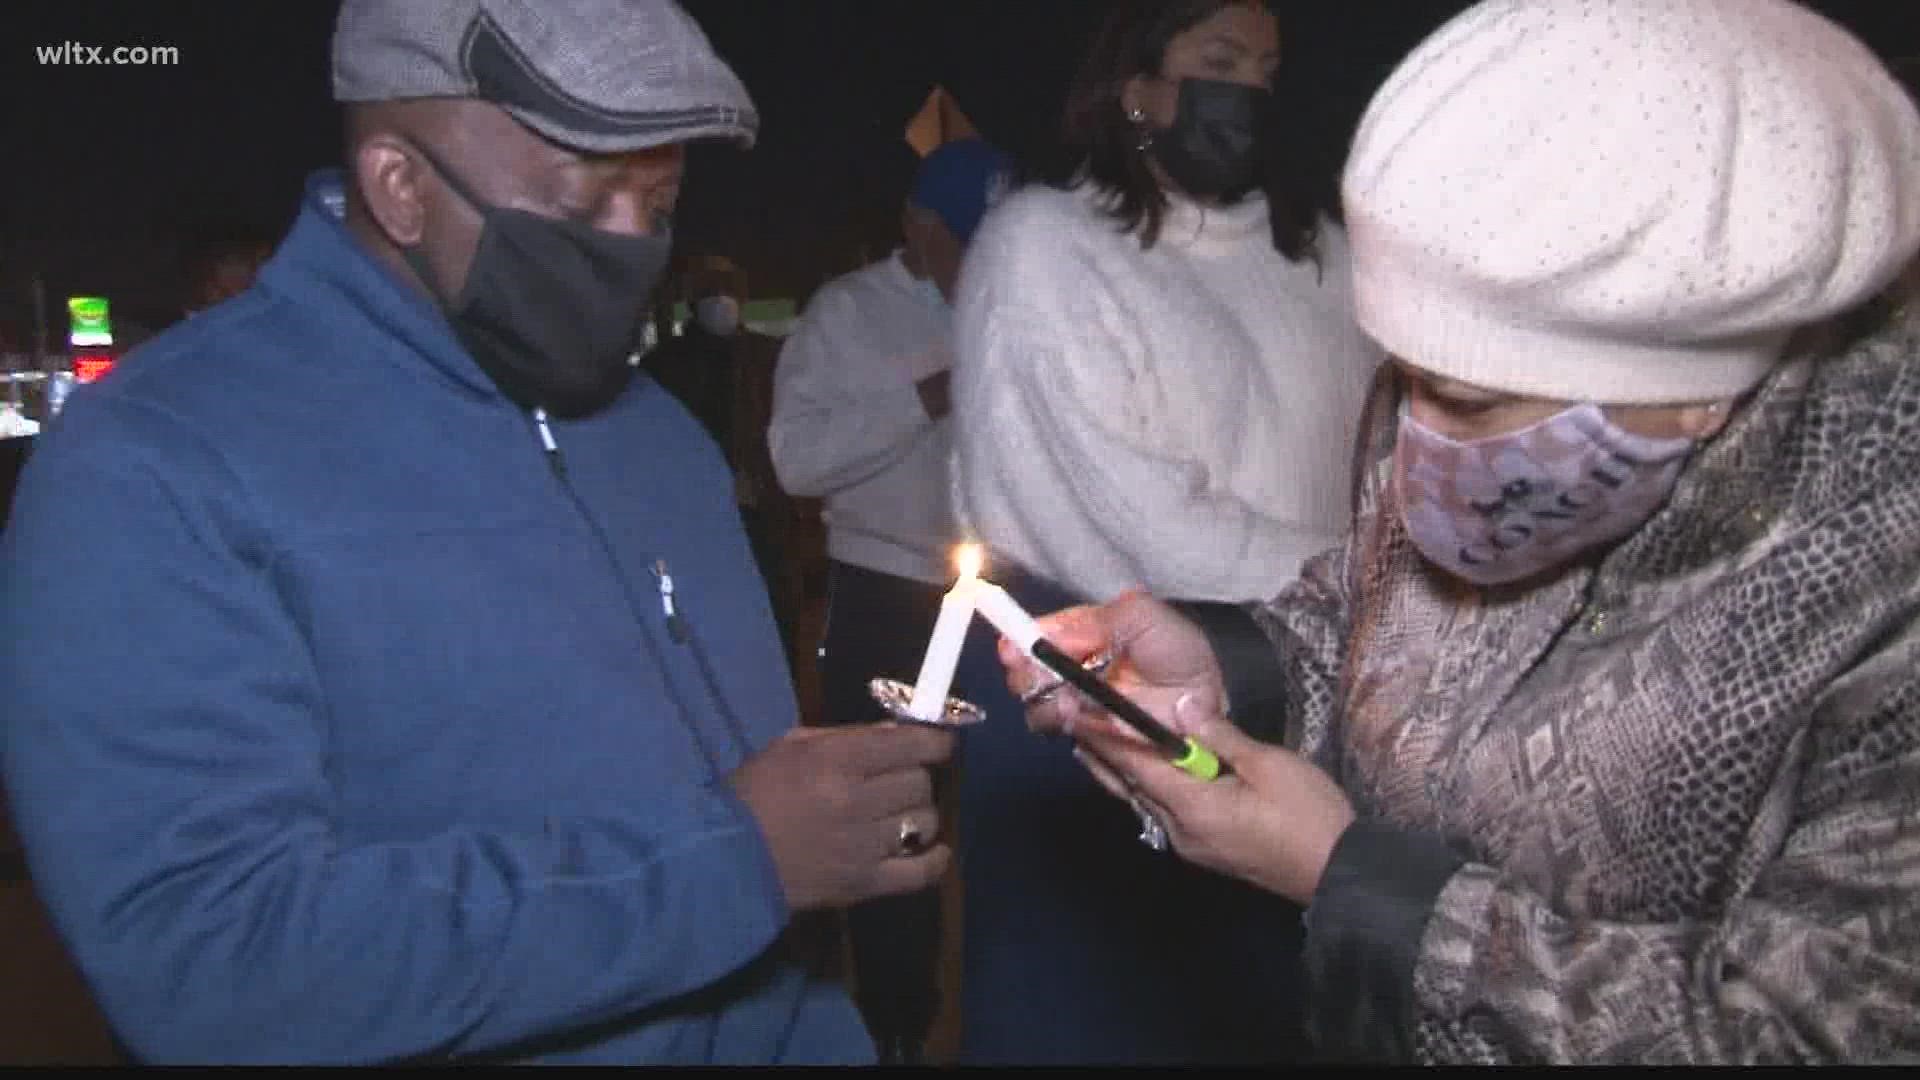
1110 699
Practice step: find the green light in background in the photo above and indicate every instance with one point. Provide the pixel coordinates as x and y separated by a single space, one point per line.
88 321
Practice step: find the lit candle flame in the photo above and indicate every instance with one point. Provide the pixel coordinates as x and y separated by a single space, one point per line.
968 558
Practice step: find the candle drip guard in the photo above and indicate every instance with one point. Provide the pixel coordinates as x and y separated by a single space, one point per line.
895 697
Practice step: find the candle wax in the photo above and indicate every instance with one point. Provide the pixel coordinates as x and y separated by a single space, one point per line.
943 652
1007 616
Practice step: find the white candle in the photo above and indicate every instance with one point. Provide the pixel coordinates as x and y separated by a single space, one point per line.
949 634
1008 617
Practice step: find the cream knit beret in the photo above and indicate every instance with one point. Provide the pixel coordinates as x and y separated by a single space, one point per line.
1627 201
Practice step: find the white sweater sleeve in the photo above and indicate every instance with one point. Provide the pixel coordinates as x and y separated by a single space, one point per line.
1048 470
838 418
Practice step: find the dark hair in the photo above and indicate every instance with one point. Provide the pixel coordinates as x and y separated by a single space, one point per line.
209 244
697 276
1099 145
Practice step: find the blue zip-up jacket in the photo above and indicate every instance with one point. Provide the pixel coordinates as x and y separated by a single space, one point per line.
342 726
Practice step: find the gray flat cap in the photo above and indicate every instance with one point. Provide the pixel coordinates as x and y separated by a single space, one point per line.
593 75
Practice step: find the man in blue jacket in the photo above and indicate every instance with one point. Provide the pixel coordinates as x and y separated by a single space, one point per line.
387 676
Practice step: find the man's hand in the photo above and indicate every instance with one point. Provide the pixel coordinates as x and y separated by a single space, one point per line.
835 803
936 394
1158 657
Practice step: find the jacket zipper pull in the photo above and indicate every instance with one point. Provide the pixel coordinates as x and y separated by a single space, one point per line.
676 626
554 460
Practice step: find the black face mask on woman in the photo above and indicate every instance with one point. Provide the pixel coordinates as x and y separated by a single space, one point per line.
551 309
1216 145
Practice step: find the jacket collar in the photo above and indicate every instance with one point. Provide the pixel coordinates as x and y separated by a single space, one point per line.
321 256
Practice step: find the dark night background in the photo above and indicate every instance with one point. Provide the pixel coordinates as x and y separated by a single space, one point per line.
106 167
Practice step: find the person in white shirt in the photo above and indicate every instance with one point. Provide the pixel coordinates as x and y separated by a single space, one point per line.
1158 383
861 420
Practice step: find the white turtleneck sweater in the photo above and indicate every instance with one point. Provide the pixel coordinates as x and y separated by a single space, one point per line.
1179 419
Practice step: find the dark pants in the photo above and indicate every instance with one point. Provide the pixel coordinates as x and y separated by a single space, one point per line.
777 573
878 625
1082 945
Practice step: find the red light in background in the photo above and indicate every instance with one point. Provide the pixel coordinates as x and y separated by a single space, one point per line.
88 369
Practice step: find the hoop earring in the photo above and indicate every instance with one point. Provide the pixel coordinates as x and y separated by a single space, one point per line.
1143 140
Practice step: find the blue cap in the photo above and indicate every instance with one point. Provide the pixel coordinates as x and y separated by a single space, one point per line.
959 181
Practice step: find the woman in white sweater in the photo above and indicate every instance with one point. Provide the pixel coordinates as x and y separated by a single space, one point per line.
1157 398
1157 382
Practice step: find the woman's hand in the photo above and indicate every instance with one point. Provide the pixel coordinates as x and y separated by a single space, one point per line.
1158 657
1273 821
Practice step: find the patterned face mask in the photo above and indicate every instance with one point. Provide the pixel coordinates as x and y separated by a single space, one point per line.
1504 508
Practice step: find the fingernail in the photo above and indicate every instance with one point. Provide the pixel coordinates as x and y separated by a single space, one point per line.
1184 714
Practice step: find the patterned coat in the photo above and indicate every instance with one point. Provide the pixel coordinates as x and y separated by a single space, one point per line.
1664 808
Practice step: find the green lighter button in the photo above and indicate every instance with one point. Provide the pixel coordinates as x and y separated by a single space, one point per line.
1198 762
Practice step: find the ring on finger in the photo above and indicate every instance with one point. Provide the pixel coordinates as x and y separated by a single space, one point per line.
1034 695
911 840
1037 694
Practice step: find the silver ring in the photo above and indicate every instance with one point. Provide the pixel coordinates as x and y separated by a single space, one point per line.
911 841
1098 664
1036 695
1153 831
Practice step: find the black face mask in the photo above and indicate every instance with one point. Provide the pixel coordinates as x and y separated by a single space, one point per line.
552 309
1216 146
